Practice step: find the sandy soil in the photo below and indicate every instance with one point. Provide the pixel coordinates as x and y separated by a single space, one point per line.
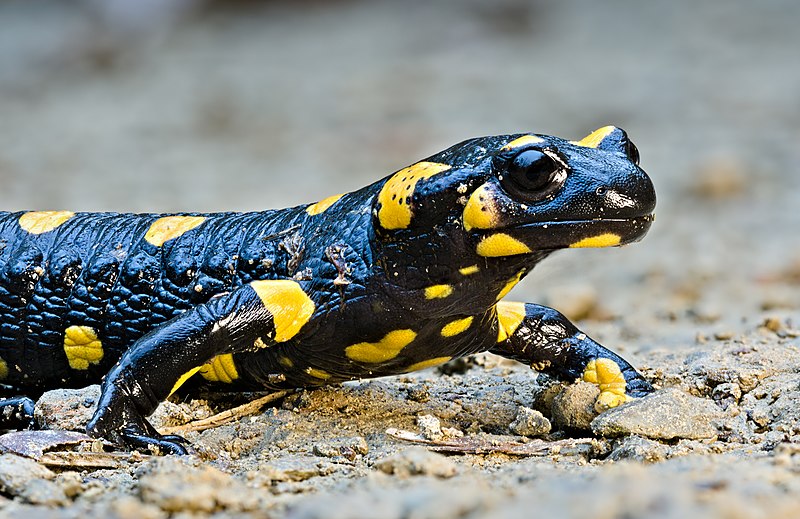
225 107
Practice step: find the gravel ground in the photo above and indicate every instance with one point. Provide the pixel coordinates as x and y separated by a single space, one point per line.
225 106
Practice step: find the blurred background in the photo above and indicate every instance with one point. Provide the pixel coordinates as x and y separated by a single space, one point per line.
159 105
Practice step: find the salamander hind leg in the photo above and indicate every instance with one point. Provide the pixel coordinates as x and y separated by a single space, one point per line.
158 363
547 341
16 413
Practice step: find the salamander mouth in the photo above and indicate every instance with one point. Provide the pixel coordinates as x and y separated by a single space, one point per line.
600 232
540 236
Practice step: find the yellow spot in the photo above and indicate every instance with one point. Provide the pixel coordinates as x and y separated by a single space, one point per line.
322 205
522 141
456 327
509 316
501 244
3 369
594 139
428 363
438 291
385 349
286 362
395 196
38 222
82 347
479 213
318 373
468 271
511 284
169 227
289 305
220 369
609 378
602 240
183 378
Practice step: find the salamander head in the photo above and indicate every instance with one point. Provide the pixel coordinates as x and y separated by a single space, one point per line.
525 191
520 196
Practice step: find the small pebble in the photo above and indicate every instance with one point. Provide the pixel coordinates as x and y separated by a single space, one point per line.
773 324
417 461
636 448
724 335
666 414
574 407
430 427
348 448
67 409
530 422
31 482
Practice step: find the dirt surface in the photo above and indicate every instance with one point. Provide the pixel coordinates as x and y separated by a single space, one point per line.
248 105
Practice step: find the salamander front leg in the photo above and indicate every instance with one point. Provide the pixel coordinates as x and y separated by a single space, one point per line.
545 340
264 312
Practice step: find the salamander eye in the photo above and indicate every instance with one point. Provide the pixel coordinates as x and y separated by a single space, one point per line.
632 152
532 175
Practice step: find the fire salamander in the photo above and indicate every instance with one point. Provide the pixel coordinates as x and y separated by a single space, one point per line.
404 274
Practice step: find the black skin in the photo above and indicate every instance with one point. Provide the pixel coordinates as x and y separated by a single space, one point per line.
425 282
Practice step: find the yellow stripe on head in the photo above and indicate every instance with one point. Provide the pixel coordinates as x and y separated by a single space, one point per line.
501 244
480 211
290 306
395 196
522 141
38 222
594 139
169 227
3 369
601 240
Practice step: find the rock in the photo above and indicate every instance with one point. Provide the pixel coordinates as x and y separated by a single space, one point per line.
773 404
530 422
292 468
636 448
430 427
348 448
417 461
666 414
31 482
544 400
714 368
175 485
726 394
419 393
67 409
574 407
